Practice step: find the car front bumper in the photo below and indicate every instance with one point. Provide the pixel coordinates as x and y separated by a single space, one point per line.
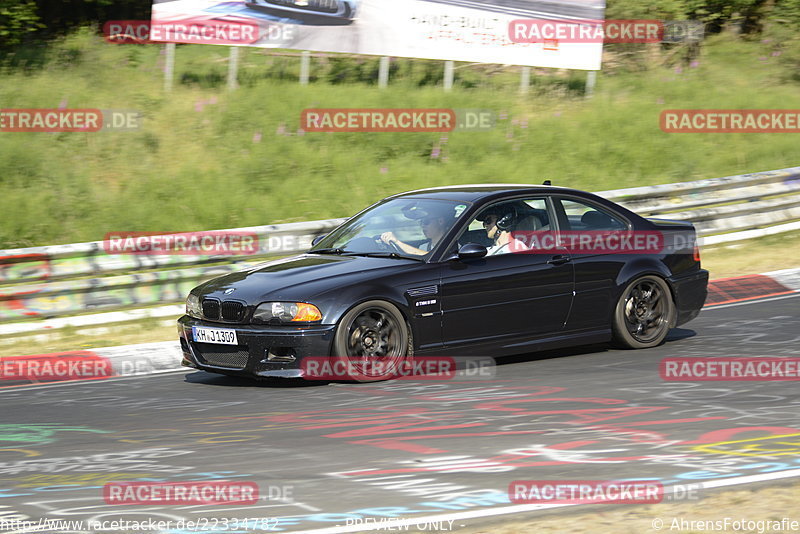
263 351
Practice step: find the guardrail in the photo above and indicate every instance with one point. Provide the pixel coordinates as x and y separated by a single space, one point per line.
45 282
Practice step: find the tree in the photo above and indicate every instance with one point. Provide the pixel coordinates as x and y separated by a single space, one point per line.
60 16
17 19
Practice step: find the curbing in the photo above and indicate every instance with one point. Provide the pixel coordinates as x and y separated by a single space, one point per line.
48 325
166 356
106 363
143 359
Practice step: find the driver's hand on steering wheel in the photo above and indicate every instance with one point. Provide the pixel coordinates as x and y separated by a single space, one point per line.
389 238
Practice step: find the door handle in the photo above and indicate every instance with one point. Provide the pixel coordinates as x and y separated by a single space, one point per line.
559 259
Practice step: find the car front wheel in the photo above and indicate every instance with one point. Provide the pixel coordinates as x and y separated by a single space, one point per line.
373 342
643 313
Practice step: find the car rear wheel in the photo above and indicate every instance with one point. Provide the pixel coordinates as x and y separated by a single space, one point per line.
643 313
373 341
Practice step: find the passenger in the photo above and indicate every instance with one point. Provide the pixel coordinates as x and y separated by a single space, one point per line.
499 221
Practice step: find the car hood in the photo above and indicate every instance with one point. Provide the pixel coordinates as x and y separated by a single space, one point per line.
299 278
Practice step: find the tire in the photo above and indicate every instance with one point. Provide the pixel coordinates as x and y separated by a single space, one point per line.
643 314
372 341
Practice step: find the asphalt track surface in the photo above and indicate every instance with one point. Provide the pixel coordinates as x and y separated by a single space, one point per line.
325 455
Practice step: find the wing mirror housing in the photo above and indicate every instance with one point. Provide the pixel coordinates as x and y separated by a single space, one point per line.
318 239
472 250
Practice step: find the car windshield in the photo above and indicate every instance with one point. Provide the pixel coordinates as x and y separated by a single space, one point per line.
399 227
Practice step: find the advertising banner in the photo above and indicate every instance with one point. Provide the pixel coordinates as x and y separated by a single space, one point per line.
459 30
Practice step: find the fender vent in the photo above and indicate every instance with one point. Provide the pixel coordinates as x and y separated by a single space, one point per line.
423 291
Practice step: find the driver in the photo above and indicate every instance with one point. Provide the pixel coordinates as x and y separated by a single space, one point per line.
434 226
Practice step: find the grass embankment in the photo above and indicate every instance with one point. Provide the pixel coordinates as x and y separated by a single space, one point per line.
771 253
208 159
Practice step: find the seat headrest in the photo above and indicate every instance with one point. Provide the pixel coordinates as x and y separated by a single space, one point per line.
595 219
529 223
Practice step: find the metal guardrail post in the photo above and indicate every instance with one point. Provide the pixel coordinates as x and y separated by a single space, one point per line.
169 66
305 67
591 81
449 74
383 73
233 69
525 80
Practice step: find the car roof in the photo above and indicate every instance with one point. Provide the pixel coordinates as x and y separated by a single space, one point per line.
477 192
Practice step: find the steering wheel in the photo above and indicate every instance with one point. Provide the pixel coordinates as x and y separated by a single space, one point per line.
392 246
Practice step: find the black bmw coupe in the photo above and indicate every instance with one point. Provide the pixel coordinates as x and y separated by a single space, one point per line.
473 270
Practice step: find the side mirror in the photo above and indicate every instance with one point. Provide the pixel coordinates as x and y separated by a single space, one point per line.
318 239
472 250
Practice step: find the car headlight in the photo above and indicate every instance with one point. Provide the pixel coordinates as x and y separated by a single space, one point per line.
193 308
286 312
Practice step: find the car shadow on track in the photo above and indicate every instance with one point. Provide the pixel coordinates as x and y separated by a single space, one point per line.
676 334
212 379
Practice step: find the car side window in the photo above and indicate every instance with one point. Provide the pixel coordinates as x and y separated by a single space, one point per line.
585 216
496 225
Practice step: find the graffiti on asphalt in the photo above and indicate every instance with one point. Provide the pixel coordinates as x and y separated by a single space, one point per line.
39 434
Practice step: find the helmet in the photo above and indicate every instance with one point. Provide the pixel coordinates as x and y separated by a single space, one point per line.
507 215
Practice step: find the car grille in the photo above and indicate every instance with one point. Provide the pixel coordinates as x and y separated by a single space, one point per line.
226 357
211 309
232 311
326 6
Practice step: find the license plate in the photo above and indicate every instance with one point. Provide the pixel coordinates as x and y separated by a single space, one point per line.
214 335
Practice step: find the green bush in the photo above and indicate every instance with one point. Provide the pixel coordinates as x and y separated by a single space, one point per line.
17 20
